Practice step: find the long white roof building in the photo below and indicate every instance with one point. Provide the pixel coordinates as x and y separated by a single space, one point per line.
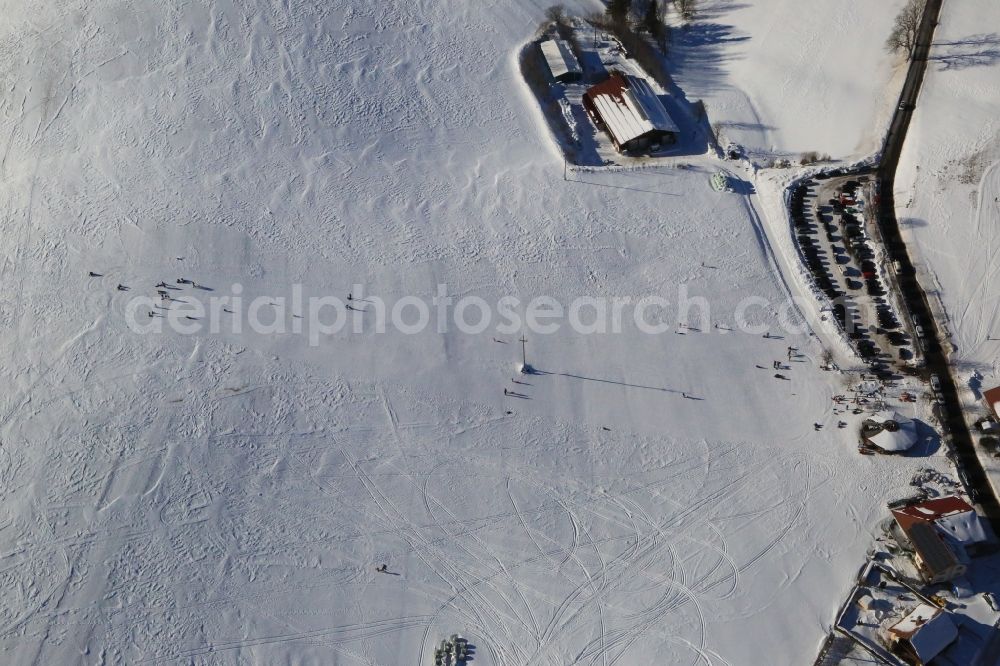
561 60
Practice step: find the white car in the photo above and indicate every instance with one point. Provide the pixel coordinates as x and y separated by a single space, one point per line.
935 383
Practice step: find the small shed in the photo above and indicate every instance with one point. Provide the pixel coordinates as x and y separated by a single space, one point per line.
923 634
562 63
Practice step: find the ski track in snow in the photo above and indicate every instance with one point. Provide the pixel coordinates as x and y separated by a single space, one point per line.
224 498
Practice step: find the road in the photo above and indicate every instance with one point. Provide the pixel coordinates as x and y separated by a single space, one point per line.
915 300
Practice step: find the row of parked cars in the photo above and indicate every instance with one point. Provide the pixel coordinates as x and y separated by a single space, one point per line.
854 257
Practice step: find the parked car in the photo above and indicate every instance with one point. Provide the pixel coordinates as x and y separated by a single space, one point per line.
935 382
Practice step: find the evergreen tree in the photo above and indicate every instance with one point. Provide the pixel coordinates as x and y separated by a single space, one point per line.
651 20
618 10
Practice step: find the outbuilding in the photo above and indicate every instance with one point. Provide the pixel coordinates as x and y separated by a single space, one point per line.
923 634
562 63
631 114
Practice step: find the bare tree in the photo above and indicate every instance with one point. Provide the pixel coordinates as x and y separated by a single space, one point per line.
906 28
556 14
686 8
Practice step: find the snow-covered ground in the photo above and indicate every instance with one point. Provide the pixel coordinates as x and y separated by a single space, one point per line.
784 77
224 497
949 177
948 193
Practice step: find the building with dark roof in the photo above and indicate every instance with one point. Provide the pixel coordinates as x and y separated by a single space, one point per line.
935 560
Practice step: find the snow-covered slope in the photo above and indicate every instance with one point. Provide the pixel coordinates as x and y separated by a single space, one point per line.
224 497
949 177
784 77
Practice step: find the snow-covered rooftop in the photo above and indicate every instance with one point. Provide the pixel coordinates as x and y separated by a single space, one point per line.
560 58
964 528
952 515
928 629
898 433
630 108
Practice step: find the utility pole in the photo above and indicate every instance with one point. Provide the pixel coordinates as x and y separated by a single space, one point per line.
524 355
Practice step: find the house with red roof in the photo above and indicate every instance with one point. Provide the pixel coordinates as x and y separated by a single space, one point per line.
942 531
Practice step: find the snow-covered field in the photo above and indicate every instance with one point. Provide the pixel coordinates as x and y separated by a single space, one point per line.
224 497
949 178
784 77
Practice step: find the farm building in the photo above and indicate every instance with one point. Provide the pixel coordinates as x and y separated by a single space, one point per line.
629 111
992 400
562 63
923 634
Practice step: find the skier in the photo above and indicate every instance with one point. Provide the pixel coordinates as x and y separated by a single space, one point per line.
93 274
506 392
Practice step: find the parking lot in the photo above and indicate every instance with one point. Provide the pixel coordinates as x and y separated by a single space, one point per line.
833 225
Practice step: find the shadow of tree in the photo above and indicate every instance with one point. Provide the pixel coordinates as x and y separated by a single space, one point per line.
712 11
699 55
980 50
